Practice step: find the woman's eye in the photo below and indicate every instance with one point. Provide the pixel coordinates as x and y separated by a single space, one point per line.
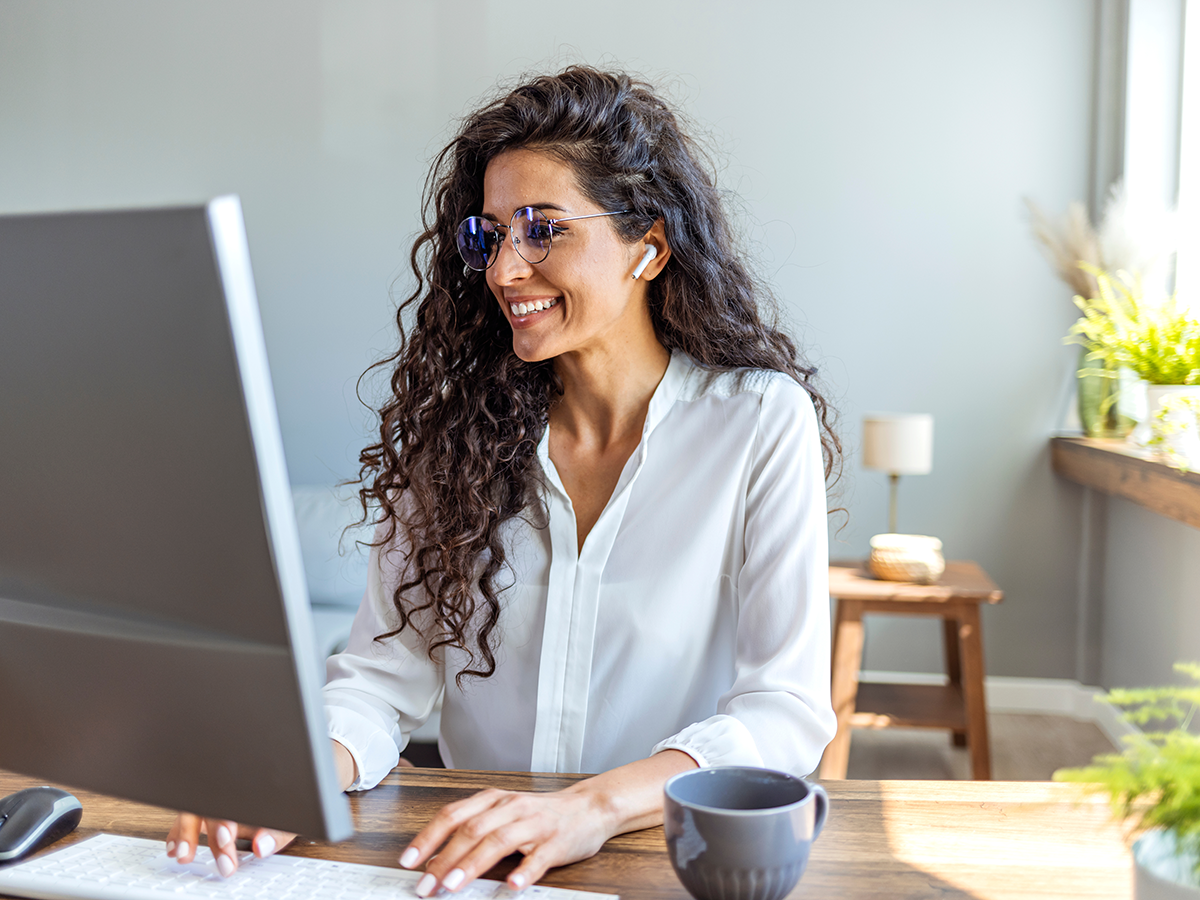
542 231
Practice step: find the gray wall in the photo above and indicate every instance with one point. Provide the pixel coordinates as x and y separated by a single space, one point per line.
880 151
1150 615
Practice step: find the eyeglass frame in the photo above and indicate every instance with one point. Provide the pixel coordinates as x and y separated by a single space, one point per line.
513 237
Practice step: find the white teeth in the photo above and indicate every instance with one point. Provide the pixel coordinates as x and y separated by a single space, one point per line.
524 309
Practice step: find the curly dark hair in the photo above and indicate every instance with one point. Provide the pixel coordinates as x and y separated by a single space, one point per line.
456 457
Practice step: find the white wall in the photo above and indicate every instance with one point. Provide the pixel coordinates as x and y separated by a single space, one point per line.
880 149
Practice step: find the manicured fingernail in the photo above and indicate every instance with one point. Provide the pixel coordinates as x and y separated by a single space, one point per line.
266 845
223 836
516 881
453 879
183 850
409 857
225 864
170 848
426 885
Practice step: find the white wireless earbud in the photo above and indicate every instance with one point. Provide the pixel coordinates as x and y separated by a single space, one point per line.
650 253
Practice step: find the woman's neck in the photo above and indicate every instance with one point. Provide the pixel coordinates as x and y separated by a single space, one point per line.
607 391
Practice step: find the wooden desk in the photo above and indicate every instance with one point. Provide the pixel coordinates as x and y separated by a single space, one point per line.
884 839
957 706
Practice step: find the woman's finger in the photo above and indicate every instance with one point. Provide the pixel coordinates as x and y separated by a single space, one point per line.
265 841
445 823
222 841
183 837
469 855
534 866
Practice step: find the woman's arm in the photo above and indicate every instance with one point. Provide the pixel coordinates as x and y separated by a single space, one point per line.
777 711
378 692
550 829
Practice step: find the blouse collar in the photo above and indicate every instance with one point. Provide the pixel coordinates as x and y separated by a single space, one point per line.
661 401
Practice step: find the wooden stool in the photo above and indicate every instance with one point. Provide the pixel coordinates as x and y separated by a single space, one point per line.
957 706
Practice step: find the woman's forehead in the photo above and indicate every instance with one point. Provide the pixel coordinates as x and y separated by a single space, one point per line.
519 178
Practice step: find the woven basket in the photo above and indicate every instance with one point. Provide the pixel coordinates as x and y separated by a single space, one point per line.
906 557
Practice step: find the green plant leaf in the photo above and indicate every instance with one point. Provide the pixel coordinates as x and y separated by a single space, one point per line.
1156 780
1159 341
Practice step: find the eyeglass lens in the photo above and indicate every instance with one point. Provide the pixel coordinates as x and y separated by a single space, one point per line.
478 242
479 238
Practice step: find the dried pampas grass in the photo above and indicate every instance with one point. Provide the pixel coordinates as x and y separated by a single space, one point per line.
1136 238
1068 244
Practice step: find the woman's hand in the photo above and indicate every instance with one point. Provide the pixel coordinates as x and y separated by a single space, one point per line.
550 829
184 837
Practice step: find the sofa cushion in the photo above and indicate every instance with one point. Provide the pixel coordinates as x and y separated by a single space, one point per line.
334 548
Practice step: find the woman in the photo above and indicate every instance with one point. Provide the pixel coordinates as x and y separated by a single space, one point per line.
600 480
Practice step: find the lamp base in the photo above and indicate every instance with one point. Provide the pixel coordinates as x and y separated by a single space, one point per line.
915 558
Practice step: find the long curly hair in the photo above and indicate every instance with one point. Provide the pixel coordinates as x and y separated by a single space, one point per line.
456 457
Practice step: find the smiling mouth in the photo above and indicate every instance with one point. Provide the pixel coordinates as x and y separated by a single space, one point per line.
524 309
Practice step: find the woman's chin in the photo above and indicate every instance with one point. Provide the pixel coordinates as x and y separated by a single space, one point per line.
532 351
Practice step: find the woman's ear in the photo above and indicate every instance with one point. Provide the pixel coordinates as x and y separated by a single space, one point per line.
652 251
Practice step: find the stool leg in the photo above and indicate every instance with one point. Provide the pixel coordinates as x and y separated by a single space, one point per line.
972 675
847 659
950 629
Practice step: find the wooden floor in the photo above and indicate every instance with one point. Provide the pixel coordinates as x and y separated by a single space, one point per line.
1024 748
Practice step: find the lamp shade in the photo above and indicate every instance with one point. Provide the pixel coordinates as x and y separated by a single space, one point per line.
899 444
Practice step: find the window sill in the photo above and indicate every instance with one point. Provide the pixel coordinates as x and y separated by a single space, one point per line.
1114 467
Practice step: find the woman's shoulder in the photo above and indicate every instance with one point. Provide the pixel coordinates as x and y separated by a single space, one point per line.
766 387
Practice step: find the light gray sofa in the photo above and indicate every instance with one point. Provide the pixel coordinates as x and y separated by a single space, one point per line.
335 563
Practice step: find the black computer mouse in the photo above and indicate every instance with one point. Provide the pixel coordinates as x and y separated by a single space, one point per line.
33 818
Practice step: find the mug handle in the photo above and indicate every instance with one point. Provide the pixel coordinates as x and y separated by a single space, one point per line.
822 801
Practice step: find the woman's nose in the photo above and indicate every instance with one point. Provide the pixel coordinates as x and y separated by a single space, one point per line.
509 266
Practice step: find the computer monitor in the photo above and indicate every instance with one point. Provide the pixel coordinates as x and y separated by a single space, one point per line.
155 634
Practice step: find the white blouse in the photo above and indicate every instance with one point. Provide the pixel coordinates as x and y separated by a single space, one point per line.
695 617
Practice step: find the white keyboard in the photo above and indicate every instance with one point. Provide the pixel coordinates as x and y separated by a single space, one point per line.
109 867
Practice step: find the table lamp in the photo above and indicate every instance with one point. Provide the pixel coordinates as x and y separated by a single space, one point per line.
899 444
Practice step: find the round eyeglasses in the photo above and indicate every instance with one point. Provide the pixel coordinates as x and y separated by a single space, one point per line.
479 239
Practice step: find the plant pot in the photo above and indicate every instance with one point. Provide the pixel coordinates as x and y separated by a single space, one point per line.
1099 411
1162 870
1176 434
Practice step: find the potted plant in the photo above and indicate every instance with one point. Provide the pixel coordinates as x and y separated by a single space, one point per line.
1134 237
1156 784
1158 341
1175 430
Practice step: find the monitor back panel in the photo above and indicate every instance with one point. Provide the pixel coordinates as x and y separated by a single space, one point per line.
152 606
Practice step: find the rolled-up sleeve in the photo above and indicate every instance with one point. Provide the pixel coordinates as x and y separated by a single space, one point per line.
778 712
378 692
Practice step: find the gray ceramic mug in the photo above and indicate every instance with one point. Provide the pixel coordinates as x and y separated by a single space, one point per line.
738 833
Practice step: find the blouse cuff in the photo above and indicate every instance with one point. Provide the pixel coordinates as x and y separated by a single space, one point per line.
374 752
717 741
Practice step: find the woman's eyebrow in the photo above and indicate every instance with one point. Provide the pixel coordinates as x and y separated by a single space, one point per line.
538 206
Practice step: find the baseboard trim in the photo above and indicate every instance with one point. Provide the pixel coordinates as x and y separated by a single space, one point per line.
1045 696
